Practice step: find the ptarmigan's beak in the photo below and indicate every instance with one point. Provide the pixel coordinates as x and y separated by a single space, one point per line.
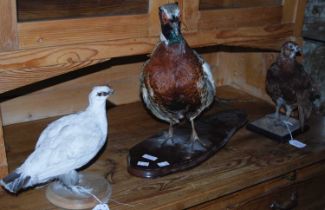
110 92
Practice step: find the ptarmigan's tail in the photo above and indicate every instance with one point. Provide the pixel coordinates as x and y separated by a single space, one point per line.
15 181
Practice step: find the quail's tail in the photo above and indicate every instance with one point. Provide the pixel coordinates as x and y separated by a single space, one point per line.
15 181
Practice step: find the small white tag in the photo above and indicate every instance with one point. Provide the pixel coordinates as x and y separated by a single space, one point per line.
297 143
142 163
102 206
149 157
163 164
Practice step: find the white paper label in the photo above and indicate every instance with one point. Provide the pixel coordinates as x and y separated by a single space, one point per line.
102 206
149 157
297 143
163 164
142 163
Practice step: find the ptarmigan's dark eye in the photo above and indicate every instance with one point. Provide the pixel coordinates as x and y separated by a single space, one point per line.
102 94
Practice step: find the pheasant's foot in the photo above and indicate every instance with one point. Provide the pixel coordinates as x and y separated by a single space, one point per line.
203 142
167 139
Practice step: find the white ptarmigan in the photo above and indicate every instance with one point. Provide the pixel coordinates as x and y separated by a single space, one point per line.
64 146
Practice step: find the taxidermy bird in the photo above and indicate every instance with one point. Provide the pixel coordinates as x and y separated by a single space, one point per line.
64 146
289 85
176 82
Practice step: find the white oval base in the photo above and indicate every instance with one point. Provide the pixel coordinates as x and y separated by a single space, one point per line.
62 197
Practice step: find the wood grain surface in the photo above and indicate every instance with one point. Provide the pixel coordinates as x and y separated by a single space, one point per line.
222 4
8 25
31 10
246 161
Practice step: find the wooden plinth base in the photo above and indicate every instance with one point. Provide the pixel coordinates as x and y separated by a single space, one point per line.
159 155
62 197
275 128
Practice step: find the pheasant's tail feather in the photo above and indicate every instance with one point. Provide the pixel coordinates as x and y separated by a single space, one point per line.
15 182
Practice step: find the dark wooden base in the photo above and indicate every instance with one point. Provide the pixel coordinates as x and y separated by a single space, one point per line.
159 155
62 197
274 128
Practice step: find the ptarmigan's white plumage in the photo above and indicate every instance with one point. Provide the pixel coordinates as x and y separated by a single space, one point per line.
65 145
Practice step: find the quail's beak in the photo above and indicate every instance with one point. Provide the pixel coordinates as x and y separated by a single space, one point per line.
298 51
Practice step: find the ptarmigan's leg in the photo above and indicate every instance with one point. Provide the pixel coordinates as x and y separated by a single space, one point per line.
70 179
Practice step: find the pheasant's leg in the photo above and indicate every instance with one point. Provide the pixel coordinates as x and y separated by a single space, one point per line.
170 130
168 136
195 137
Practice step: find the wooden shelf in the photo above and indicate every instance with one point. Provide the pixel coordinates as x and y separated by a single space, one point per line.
249 163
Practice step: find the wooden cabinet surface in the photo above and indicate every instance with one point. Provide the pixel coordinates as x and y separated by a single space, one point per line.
250 172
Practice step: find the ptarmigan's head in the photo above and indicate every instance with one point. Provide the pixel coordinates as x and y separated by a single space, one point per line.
290 49
99 94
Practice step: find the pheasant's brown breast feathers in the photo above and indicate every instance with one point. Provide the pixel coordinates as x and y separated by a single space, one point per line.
173 73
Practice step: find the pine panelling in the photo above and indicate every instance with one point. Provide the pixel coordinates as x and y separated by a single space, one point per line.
266 37
8 25
72 96
289 10
293 12
21 68
247 71
222 4
299 20
190 15
3 157
69 31
31 10
25 67
236 18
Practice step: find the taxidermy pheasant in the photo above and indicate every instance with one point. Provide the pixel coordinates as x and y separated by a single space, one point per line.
289 85
64 146
176 82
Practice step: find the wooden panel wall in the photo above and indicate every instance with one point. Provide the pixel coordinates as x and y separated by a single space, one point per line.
3 157
51 48
29 10
243 70
8 25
